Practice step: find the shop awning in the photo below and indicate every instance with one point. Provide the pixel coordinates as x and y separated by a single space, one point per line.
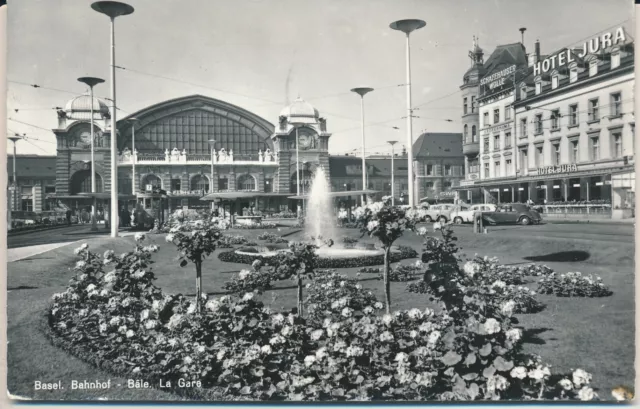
341 194
105 195
240 195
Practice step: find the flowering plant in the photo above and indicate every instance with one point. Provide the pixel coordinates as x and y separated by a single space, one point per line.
272 238
230 241
573 285
259 226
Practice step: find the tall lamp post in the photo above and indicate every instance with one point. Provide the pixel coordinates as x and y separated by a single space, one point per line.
133 122
91 82
407 26
14 201
362 92
393 195
113 9
212 143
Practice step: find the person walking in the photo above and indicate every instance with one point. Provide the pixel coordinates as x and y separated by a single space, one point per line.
68 214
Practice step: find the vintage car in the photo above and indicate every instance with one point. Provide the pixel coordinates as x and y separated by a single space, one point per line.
464 213
439 212
512 214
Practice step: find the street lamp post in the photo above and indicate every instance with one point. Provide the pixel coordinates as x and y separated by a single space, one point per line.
91 82
133 122
14 201
407 26
393 196
362 92
113 9
212 143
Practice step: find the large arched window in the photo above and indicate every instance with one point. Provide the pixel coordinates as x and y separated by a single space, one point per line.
246 182
200 182
466 133
474 137
81 182
152 180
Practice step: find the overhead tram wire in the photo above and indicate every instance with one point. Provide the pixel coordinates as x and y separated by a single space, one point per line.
26 123
33 144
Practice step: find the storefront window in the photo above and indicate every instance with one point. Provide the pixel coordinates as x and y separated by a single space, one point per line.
541 188
558 192
574 190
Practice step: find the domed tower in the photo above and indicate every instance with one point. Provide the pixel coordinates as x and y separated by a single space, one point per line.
74 144
300 124
470 117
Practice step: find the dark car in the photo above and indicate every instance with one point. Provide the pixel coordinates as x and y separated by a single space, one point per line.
512 214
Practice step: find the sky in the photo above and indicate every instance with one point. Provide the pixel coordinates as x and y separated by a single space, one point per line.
262 54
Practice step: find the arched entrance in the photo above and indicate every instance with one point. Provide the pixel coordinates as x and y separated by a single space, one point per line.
81 182
151 180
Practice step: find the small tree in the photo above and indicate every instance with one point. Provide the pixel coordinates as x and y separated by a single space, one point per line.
195 241
386 223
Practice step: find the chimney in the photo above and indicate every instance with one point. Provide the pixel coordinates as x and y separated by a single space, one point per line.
537 51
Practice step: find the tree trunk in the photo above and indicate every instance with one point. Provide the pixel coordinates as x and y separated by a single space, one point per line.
198 286
387 284
300 312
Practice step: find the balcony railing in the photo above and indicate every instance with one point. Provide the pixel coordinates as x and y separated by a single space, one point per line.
176 157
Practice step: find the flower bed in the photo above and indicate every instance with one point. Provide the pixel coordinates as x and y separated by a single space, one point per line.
573 285
260 226
230 241
272 238
359 261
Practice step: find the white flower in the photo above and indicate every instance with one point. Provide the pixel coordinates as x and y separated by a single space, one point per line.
519 372
91 287
514 334
386 336
491 326
354 350
565 384
372 225
470 268
309 360
347 312
278 319
151 324
174 321
104 293
422 231
266 349
82 248
378 305
413 333
499 284
387 319
244 274
57 296
286 331
82 312
367 310
110 276
277 339
401 357
536 374
414 314
130 333
586 393
434 337
188 360
221 353
103 327
144 315
321 353
437 226
139 274
581 377
82 277
140 236
247 297
170 237
200 349
256 265
115 321
317 334
212 305
500 382
81 264
507 308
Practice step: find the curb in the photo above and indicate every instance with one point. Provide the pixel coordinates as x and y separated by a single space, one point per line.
560 221
19 233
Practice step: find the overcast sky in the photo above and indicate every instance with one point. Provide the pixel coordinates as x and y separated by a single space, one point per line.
261 54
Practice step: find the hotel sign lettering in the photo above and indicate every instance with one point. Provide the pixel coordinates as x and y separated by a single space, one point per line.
591 46
551 170
498 79
497 128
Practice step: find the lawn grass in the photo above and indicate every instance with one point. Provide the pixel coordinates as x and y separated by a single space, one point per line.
596 334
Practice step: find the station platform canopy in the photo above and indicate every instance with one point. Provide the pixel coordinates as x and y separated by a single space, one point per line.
341 194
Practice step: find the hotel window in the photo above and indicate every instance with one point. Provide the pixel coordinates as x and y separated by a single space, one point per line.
538 124
523 128
466 132
593 67
27 205
573 75
507 113
486 144
524 159
538 87
595 148
486 170
223 184
615 59
616 104
447 184
554 82
523 93
473 104
555 119
573 115
496 169
594 114
429 170
507 167
474 138
539 157
496 142
175 184
575 153
556 153
617 144
507 139
485 119
464 106
447 170
496 116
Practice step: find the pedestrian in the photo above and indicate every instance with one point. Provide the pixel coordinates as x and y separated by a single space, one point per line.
68 214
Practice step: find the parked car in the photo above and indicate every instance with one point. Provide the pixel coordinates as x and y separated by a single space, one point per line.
464 213
512 214
439 212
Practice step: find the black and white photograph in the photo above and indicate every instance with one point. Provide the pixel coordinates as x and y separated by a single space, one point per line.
280 201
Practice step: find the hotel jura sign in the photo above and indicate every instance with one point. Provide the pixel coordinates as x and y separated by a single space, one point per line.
502 127
498 79
551 170
591 46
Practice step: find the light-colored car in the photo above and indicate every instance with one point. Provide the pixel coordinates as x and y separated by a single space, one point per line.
464 213
439 212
